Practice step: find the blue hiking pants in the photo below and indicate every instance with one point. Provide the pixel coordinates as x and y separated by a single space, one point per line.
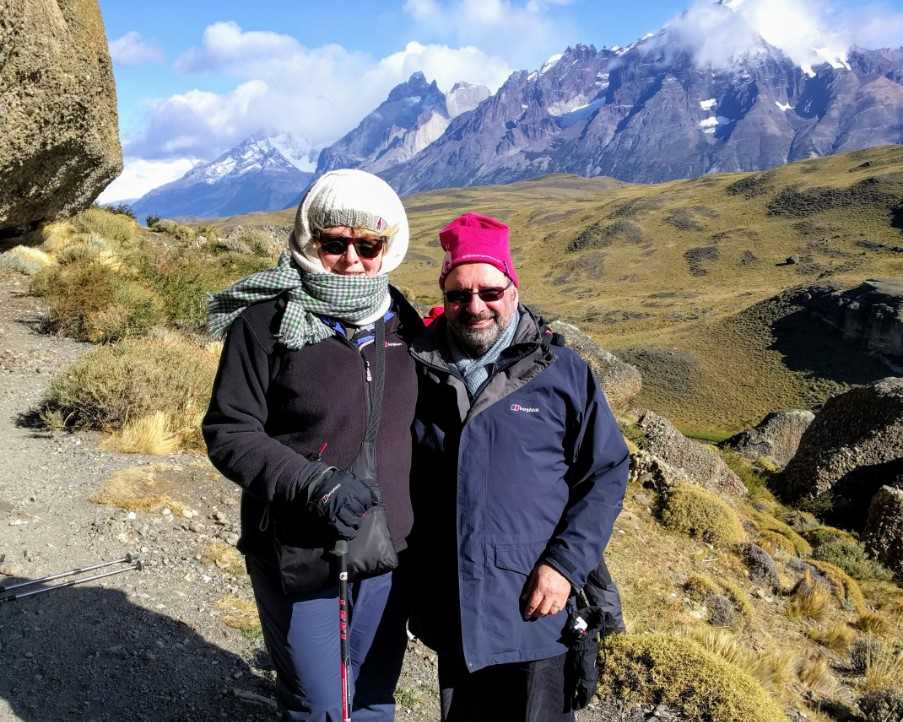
302 638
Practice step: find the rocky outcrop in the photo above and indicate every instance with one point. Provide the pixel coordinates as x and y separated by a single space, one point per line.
883 534
777 436
852 448
869 316
683 457
59 139
620 381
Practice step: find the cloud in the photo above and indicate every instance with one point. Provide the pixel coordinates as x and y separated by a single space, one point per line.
318 94
806 30
139 176
527 33
132 49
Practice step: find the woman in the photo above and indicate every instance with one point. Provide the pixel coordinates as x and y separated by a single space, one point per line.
291 406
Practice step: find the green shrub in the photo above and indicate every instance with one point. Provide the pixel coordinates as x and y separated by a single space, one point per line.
703 514
92 302
179 231
184 279
824 534
111 385
678 672
850 555
151 221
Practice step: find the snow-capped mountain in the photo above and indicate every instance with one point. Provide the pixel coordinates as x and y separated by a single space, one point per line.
261 173
414 115
662 108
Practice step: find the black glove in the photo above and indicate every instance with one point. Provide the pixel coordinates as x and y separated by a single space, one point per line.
341 499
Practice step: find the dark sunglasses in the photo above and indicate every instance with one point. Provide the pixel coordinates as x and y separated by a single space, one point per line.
337 245
459 297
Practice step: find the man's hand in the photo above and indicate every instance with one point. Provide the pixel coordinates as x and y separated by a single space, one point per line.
546 592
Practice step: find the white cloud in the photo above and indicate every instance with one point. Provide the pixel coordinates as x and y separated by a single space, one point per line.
132 49
139 176
526 32
810 32
319 94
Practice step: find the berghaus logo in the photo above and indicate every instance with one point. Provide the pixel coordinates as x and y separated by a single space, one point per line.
517 408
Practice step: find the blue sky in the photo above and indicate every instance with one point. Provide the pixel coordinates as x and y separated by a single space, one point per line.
195 77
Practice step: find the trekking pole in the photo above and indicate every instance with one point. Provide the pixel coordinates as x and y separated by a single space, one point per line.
340 550
133 562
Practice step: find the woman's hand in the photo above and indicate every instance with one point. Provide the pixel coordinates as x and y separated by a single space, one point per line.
341 499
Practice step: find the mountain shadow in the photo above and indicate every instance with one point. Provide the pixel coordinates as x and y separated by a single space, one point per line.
90 654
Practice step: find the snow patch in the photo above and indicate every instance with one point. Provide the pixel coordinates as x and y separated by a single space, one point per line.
550 63
708 104
710 124
533 76
783 106
562 107
837 60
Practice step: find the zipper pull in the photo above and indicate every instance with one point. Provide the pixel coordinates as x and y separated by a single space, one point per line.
367 367
322 450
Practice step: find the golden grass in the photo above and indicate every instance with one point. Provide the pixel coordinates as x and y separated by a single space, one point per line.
774 526
140 488
151 434
845 587
837 638
703 514
773 668
223 557
808 600
884 670
814 672
240 614
678 672
873 623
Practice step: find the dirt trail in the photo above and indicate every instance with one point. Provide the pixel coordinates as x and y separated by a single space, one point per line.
148 645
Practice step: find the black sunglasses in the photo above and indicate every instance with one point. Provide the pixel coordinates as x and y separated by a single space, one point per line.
337 245
459 296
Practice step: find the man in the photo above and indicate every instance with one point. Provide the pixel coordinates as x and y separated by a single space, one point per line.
519 473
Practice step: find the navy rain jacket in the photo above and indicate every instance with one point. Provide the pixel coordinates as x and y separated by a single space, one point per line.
533 469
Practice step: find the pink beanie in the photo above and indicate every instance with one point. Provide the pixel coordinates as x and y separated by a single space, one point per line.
475 238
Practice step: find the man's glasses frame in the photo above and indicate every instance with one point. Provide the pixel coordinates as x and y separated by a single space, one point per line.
368 248
460 296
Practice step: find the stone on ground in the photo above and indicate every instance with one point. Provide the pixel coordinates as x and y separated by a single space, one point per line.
883 534
777 436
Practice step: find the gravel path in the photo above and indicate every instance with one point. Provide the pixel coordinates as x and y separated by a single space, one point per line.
142 645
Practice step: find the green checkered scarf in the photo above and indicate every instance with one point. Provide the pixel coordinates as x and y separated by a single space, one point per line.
348 298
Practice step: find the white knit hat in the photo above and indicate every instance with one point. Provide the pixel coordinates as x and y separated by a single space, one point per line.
352 198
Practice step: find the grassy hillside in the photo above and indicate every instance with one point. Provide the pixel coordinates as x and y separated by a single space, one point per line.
675 275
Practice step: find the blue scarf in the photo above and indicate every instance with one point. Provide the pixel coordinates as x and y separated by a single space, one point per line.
475 371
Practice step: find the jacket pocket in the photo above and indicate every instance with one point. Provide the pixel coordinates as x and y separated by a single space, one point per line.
519 558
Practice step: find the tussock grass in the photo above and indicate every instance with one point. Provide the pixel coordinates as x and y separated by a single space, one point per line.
112 385
151 434
883 668
678 672
814 672
838 637
847 590
873 624
766 523
703 514
223 557
116 227
240 614
141 488
773 668
808 599
700 587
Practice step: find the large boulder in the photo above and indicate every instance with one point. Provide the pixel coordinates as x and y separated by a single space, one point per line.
59 138
852 448
777 436
620 381
697 463
883 534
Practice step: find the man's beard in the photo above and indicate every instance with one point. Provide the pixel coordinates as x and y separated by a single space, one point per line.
477 341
